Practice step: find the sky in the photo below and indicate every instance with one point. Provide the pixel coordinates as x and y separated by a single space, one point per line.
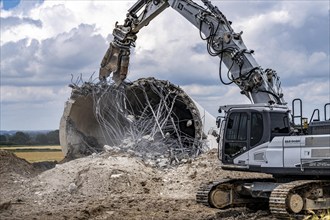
8 4
46 42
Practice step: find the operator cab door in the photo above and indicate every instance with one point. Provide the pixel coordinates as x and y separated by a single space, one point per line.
235 139
243 131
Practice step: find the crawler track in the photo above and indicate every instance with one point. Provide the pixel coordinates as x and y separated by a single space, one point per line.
203 192
286 200
278 201
223 193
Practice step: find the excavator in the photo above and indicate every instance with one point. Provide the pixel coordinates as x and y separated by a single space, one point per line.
258 137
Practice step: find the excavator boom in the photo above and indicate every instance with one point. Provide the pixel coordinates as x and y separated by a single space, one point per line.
260 86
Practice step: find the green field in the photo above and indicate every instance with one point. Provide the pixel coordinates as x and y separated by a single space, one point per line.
36 153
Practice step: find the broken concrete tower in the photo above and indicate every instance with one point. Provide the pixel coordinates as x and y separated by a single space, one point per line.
148 116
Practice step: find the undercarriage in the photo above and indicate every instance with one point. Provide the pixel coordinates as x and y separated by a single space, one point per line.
285 199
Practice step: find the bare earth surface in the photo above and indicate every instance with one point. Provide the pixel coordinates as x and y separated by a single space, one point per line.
112 186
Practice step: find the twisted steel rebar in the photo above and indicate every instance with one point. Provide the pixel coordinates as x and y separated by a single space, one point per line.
149 124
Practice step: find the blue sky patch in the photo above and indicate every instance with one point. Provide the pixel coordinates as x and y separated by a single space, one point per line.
8 4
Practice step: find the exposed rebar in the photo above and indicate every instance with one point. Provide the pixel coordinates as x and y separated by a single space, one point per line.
151 118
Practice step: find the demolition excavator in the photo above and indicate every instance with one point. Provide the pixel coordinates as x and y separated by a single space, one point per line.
259 137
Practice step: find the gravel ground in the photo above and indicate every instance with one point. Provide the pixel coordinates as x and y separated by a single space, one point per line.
112 185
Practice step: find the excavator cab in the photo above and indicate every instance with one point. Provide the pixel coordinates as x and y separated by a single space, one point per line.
248 126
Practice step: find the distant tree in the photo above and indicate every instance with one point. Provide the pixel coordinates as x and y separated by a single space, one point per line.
41 139
3 139
20 138
53 137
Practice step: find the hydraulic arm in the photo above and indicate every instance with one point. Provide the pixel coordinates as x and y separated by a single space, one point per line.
257 137
260 86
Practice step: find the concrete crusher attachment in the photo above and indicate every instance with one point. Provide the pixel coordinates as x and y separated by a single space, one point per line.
147 116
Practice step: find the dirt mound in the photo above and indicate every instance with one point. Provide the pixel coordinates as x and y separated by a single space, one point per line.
44 165
116 185
14 173
10 163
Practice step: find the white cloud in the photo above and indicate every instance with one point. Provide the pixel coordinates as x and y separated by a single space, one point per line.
301 11
32 108
50 41
211 97
315 94
317 58
61 16
31 94
52 61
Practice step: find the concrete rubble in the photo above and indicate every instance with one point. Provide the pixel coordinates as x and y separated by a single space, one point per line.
149 118
113 185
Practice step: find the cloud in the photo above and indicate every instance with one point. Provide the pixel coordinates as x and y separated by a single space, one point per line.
31 94
32 108
175 53
73 50
212 97
315 95
11 22
51 61
24 7
290 38
44 42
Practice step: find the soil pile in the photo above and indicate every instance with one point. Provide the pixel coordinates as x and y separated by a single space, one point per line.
116 185
11 164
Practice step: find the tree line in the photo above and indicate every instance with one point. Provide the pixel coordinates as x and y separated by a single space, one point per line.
24 138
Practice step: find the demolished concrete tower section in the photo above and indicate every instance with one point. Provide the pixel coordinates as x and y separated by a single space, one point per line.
145 112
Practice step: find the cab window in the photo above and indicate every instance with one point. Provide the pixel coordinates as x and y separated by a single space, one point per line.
257 128
279 124
237 126
236 135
